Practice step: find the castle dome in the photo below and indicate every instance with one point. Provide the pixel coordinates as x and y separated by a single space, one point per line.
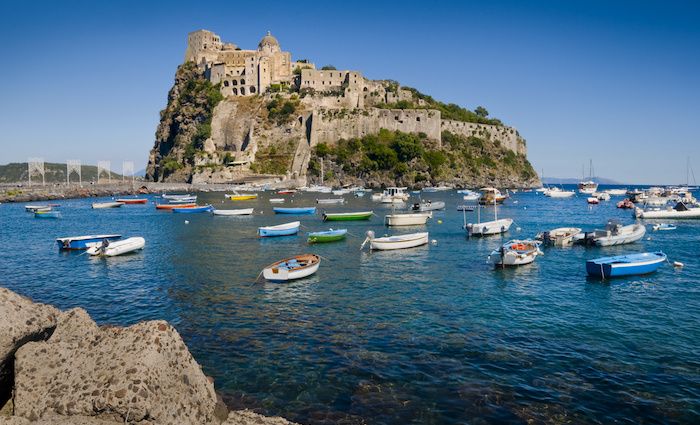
269 40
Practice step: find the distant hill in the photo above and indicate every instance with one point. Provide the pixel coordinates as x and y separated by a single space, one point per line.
576 180
54 173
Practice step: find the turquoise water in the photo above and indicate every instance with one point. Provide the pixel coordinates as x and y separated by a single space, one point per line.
427 335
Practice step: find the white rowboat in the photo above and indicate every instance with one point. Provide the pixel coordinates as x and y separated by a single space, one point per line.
416 219
386 243
242 211
99 205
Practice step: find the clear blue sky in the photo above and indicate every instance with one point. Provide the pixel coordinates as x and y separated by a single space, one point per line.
614 81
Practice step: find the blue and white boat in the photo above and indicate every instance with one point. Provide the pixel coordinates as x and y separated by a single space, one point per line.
47 214
286 229
625 265
193 210
293 210
81 242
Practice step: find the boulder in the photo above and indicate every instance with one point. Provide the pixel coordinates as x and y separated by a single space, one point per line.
21 321
64 420
247 417
140 373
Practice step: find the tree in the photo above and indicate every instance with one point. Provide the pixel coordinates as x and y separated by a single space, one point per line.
481 111
328 68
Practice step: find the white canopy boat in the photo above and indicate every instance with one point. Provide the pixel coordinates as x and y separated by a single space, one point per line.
98 205
242 211
617 234
485 228
412 219
114 248
680 211
561 236
515 253
296 267
394 195
386 243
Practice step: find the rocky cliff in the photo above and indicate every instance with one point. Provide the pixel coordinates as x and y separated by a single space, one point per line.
205 138
62 368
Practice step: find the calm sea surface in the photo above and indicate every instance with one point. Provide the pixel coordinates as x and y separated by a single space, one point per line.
426 335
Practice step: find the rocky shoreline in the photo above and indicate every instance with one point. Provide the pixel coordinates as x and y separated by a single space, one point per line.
60 367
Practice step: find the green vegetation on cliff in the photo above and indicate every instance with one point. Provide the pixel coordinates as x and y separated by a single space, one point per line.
410 159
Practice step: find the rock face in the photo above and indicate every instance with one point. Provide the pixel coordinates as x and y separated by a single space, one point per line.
140 373
21 321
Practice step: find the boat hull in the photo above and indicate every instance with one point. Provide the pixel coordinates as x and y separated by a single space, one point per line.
399 242
364 215
287 229
193 210
284 270
132 201
640 264
294 211
173 206
83 242
634 235
117 248
242 211
328 236
407 219
100 205
487 228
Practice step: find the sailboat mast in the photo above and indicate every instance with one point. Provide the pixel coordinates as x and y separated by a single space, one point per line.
495 208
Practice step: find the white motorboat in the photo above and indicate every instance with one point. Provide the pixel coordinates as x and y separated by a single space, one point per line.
114 248
616 192
601 196
99 205
242 211
484 228
515 253
468 195
680 211
394 195
330 201
414 219
293 268
555 192
561 236
429 206
377 196
386 243
277 200
617 234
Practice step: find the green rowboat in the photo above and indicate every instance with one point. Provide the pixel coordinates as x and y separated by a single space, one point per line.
348 216
327 236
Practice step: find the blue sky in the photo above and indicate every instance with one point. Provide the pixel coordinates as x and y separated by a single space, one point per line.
613 81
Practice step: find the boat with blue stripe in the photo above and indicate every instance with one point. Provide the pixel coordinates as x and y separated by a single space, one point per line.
286 229
625 265
84 242
193 210
47 214
295 211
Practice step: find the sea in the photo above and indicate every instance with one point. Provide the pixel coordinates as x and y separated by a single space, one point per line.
429 335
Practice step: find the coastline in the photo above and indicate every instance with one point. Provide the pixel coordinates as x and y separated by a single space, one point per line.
60 367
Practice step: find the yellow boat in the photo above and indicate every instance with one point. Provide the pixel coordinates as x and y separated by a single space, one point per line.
242 196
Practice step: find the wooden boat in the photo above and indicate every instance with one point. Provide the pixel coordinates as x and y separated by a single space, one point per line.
47 214
277 200
331 235
131 201
82 242
100 205
415 219
617 234
515 253
189 200
35 208
166 196
386 243
347 216
331 201
241 196
294 210
625 265
680 211
172 206
193 210
428 206
663 226
242 211
296 267
561 236
285 229
491 196
112 249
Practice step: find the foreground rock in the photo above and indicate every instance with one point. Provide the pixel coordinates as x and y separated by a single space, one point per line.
21 321
84 374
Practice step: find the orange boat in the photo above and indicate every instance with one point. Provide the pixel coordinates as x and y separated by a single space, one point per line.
171 206
133 200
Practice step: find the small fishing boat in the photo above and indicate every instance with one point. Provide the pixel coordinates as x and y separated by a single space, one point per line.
242 211
663 226
277 200
428 206
47 214
83 242
285 229
340 192
295 210
616 192
587 187
561 236
241 196
132 201
331 201
189 200
348 216
602 196
593 200
556 192
286 192
100 205
515 253
625 265
359 193
35 208
415 219
393 195
617 234
112 249
176 196
386 243
172 206
680 211
491 196
331 235
470 196
193 210
625 204
296 267
485 228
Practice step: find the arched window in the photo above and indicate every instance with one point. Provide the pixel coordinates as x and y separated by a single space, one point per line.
225 83
234 82
242 91
252 89
242 82
234 91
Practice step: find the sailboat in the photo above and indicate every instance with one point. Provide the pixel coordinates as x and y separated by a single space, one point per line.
497 226
588 187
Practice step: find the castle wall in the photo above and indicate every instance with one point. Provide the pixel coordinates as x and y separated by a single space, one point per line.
507 136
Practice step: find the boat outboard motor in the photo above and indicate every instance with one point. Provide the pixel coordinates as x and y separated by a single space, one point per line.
370 236
546 237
